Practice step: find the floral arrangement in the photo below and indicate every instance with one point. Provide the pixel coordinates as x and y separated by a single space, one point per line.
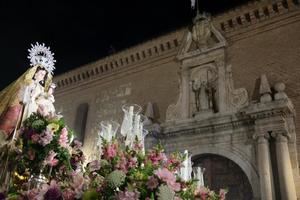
51 166
45 145
128 173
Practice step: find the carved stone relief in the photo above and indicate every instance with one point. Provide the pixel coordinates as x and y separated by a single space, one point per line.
238 98
203 84
206 83
174 110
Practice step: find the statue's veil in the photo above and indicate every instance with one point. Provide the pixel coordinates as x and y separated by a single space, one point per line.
9 96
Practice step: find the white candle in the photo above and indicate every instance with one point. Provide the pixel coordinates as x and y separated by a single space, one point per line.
109 134
25 95
130 126
141 134
185 169
199 176
131 111
136 125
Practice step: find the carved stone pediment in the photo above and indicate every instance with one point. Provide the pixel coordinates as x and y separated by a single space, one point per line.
202 37
206 83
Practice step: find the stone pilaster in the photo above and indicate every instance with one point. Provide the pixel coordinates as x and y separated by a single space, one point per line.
285 172
220 63
264 166
185 94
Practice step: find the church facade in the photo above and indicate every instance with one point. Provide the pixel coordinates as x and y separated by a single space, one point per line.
226 88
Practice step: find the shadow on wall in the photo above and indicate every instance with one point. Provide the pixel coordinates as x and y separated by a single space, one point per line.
80 121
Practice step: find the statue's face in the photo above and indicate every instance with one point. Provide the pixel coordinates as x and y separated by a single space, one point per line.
40 75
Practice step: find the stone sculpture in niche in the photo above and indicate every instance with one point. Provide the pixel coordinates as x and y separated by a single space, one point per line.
203 87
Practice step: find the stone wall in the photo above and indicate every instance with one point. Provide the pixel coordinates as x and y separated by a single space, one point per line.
274 50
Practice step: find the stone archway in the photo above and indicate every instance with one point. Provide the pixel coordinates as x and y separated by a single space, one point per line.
221 172
240 160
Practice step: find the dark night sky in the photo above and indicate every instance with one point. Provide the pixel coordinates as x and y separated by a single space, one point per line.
79 33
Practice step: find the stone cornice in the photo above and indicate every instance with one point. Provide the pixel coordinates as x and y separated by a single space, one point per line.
257 111
105 78
216 125
134 57
256 114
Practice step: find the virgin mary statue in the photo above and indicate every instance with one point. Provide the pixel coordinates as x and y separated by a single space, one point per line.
18 100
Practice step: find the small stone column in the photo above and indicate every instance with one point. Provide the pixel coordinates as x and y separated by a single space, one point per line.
264 166
185 109
222 91
285 171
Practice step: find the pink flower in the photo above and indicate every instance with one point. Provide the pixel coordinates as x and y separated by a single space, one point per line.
63 138
46 138
201 192
127 195
32 194
165 175
69 194
50 160
173 163
168 177
174 186
152 183
122 163
132 162
78 183
222 194
110 151
157 157
37 193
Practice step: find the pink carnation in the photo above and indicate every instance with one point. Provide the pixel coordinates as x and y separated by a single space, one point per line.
152 183
156 158
110 151
122 163
63 138
50 160
132 162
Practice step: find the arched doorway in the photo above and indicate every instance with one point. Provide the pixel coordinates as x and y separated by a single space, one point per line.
221 172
